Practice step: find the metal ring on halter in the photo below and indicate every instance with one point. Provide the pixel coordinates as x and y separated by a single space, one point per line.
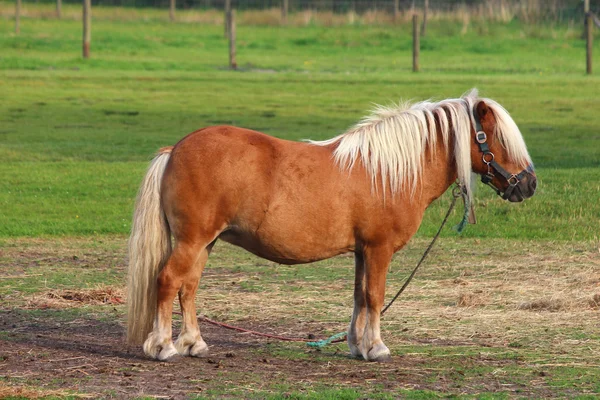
513 180
488 154
481 137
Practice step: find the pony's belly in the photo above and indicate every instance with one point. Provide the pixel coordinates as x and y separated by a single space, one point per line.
280 251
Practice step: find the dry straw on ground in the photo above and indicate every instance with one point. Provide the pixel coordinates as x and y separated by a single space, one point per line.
474 299
26 393
545 304
68 298
561 303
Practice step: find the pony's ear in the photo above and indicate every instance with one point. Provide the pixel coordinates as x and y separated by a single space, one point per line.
482 110
486 117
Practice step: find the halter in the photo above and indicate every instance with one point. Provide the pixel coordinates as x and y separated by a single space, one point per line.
494 168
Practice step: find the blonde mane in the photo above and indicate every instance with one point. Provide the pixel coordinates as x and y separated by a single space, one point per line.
391 143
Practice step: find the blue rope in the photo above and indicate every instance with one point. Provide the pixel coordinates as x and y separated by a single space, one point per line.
460 227
322 343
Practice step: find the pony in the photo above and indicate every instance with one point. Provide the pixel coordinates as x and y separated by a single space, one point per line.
364 191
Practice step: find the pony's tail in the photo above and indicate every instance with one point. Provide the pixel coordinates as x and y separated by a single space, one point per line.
149 249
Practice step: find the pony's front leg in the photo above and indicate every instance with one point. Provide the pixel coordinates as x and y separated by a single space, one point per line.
159 344
377 261
357 324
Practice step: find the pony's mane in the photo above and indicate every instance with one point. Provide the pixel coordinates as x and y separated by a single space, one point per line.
391 143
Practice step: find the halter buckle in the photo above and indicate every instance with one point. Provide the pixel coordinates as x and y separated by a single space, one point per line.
481 137
487 178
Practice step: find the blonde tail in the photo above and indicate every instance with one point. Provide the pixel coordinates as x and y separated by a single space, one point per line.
149 249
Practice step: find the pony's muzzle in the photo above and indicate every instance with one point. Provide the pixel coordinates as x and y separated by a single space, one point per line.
524 189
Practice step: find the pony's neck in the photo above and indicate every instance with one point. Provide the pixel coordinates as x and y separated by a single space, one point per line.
439 168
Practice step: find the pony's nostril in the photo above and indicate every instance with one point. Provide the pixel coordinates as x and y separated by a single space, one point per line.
533 184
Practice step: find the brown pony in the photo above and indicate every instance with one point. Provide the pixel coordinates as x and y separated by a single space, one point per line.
364 191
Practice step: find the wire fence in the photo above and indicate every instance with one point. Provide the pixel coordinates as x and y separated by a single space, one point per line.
529 10
342 12
370 11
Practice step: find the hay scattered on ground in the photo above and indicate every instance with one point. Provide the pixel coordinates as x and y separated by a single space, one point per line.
67 298
554 304
545 304
26 393
594 301
473 299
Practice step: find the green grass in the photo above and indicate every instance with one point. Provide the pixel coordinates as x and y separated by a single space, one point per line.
328 393
76 144
76 134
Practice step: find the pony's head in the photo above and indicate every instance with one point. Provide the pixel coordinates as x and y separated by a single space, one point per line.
498 151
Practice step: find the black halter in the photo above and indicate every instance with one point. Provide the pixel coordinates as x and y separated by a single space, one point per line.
494 168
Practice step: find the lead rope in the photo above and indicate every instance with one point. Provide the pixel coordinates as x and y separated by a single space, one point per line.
457 191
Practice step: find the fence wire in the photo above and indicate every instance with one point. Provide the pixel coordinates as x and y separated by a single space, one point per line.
529 10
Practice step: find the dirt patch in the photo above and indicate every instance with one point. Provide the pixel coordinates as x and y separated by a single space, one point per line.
88 356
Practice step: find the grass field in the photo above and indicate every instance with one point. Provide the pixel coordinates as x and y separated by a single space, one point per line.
513 314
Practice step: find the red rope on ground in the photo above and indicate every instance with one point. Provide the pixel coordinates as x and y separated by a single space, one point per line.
244 330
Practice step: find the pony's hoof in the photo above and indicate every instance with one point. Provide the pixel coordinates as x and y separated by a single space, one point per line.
157 349
354 351
172 358
193 347
379 353
356 355
200 349
382 358
168 353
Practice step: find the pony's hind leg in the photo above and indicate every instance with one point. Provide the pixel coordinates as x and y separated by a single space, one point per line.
357 324
179 269
190 342
377 261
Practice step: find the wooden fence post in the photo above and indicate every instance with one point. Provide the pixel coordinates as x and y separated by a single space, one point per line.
396 10
589 38
59 9
172 10
227 10
231 33
425 12
87 27
284 11
416 44
18 16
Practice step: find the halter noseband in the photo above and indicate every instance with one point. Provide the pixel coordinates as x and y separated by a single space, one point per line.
494 168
